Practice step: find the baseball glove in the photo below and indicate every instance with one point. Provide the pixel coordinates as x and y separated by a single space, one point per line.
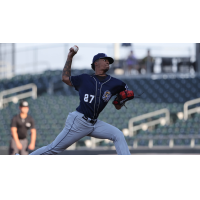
123 97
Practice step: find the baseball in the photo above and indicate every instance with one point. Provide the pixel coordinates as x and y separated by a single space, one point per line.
75 48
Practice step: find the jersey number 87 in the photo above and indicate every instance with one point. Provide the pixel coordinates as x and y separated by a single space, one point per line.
86 98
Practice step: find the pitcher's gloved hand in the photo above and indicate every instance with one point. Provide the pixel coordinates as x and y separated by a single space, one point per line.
123 97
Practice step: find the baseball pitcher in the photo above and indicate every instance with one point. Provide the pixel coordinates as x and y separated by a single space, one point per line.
95 92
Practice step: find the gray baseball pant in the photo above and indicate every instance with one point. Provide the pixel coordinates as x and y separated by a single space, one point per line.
76 128
13 147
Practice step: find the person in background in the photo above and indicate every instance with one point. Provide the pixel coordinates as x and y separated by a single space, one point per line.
131 63
19 126
147 63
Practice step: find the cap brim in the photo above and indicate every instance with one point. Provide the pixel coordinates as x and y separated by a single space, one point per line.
111 60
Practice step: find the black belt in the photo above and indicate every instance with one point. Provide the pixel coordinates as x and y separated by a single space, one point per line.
92 121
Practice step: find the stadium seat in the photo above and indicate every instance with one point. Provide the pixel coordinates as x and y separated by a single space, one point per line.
158 94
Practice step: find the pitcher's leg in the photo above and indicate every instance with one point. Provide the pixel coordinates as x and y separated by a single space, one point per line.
73 131
61 142
103 130
53 148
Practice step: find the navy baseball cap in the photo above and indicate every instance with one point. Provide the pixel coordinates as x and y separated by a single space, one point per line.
99 56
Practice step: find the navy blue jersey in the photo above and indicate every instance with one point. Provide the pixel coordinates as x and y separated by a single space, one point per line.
95 94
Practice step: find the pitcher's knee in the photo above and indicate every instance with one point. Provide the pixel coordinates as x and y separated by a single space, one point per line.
56 150
118 136
53 151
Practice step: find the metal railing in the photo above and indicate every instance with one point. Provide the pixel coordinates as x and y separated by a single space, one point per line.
17 97
170 138
144 126
187 111
162 120
171 142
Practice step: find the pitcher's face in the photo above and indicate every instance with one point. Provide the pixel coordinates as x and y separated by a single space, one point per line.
102 64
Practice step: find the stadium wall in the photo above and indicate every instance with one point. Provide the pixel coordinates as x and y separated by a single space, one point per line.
142 151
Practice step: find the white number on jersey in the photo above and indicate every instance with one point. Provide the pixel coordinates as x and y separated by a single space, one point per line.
86 98
91 98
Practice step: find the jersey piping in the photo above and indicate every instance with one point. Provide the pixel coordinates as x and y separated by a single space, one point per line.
95 96
100 92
